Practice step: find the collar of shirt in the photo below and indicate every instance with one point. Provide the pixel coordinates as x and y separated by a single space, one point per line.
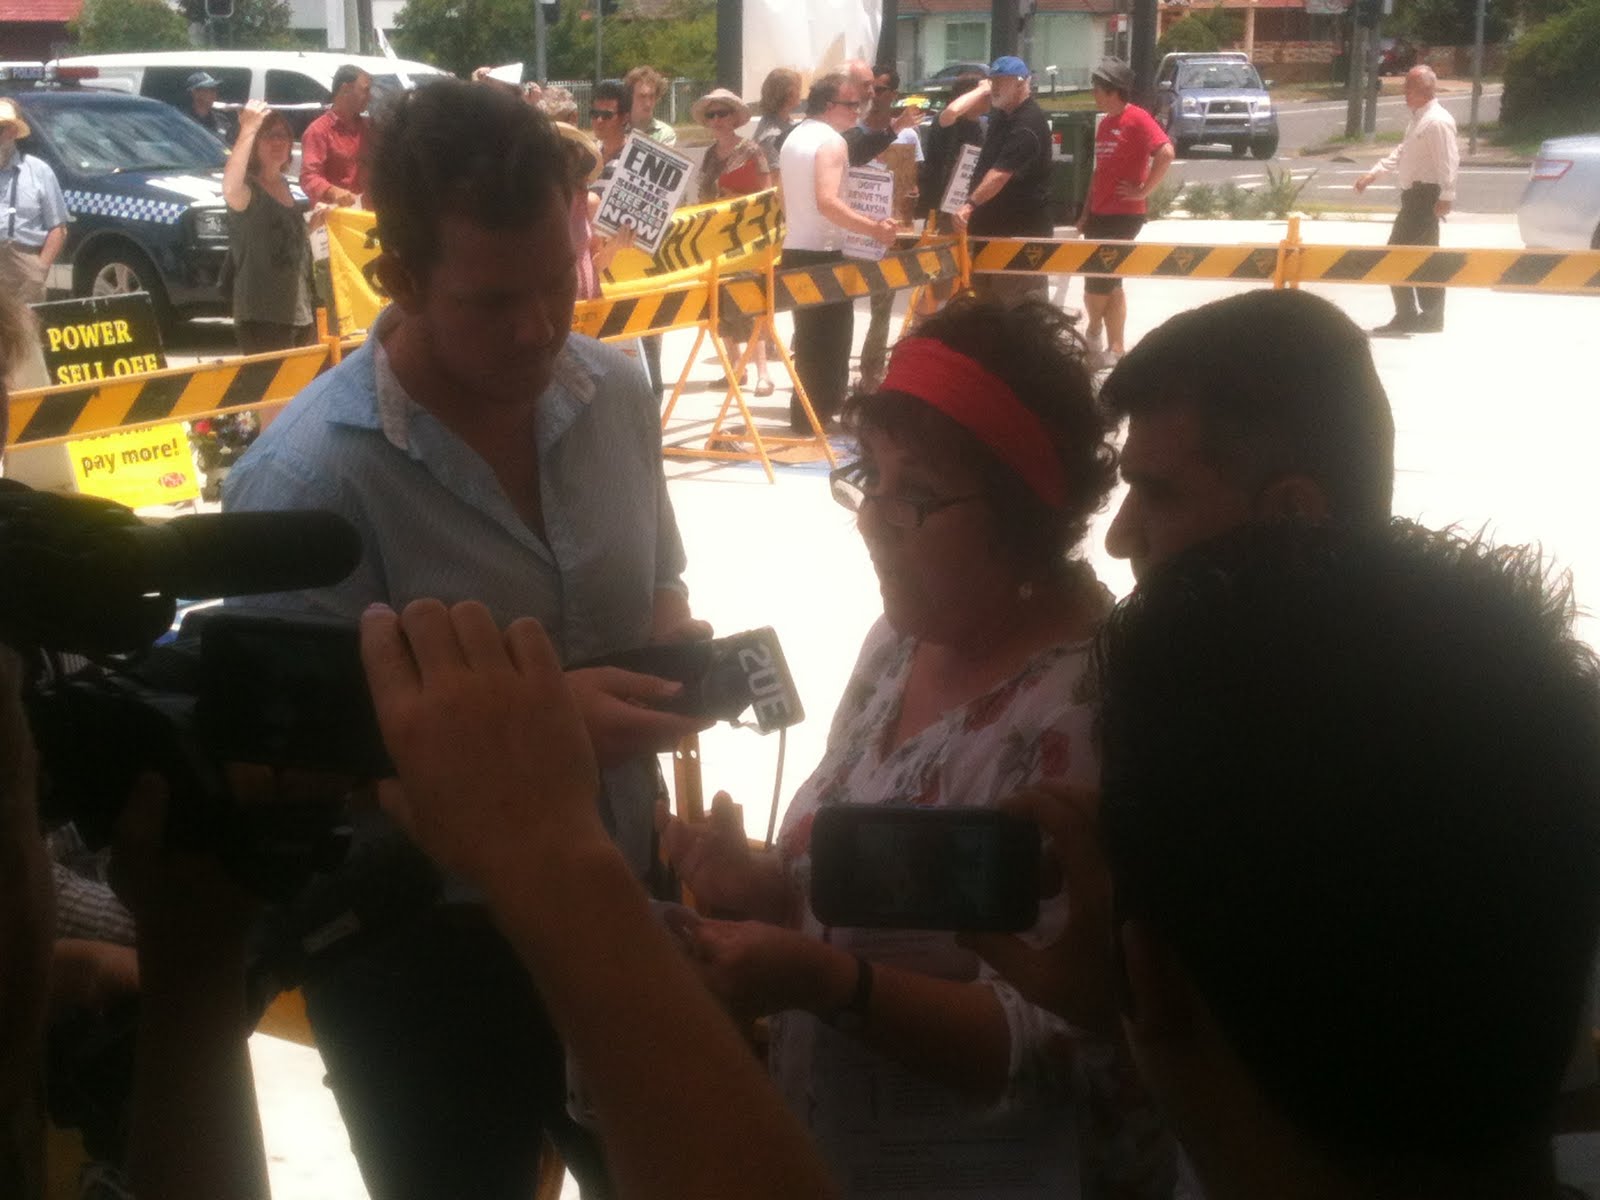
407 425
356 126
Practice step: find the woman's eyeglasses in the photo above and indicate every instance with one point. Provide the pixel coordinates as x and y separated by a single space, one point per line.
847 485
718 114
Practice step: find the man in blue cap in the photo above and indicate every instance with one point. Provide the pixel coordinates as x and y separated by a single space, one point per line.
202 87
1011 197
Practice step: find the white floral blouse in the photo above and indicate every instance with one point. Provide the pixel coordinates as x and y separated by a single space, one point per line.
1072 1122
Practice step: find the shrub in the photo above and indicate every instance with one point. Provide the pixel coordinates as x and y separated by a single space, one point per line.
1239 203
1552 79
110 25
1200 199
1161 201
1282 192
1202 30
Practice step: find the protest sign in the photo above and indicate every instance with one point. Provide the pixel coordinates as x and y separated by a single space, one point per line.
85 341
648 185
960 185
871 193
138 468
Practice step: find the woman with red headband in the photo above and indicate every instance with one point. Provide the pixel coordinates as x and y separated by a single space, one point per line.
983 457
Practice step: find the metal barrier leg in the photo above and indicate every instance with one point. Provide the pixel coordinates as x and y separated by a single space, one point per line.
683 378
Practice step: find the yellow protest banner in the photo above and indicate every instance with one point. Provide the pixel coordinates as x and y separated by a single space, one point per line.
139 468
352 248
734 232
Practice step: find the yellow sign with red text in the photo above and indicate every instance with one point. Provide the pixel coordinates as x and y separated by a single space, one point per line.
138 468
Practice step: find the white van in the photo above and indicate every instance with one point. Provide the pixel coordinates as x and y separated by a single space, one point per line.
297 84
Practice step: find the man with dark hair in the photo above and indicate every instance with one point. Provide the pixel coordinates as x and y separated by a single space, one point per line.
1351 808
1010 194
1131 156
812 165
333 166
1299 426
484 454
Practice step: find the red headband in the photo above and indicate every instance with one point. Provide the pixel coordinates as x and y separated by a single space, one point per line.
984 405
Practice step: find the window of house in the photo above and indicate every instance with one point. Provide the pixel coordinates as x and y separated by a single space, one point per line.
966 41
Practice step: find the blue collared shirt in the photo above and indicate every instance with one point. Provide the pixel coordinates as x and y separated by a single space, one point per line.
435 522
31 203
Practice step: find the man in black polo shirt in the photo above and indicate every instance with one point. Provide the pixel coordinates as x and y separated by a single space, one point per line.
1012 195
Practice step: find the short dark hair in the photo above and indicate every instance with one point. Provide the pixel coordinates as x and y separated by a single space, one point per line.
611 89
824 92
347 73
1034 349
1350 777
1283 383
891 71
452 148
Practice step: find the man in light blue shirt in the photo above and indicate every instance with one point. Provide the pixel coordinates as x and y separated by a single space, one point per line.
33 212
484 454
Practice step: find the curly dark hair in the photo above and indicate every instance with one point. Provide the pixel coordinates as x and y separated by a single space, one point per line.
1034 349
456 148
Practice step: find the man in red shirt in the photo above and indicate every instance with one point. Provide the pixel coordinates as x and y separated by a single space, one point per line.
1131 154
333 148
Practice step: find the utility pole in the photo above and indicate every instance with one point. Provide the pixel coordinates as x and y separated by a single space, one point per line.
599 40
1356 70
1002 28
1369 119
541 41
888 35
730 45
1142 52
1477 78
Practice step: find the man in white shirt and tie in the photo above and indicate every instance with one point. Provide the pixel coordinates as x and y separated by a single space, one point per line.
1426 160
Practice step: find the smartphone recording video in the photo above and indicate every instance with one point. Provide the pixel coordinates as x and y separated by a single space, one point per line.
904 867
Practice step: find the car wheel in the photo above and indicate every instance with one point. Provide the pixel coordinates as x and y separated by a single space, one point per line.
1239 149
1265 147
118 269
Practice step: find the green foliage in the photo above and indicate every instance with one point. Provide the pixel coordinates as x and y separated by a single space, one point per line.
1238 203
106 26
460 35
1553 75
1202 30
1450 22
1161 201
1200 200
255 24
1281 192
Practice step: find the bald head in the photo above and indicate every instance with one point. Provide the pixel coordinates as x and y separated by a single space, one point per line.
1421 85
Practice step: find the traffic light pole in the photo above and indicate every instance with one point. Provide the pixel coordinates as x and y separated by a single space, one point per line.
541 39
599 40
730 45
1142 52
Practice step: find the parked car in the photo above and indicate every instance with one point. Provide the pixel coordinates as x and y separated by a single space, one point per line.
297 84
948 74
1215 98
143 185
1560 207
1396 56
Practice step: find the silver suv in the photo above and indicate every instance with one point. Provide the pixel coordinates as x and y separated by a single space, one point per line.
1215 97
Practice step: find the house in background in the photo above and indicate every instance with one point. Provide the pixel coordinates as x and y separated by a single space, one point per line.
35 30
1289 40
1070 35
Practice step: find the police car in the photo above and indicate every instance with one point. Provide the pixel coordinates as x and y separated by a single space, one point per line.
144 186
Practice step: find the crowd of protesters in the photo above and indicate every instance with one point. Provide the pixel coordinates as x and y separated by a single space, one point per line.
1324 789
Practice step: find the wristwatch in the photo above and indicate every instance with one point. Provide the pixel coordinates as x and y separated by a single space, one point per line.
853 1016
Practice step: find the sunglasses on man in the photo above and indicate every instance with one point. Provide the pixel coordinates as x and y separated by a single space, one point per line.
603 114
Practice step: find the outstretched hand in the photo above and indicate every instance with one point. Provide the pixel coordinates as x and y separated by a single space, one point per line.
492 755
1073 977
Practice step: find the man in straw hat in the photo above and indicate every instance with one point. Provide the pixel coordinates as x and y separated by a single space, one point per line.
33 212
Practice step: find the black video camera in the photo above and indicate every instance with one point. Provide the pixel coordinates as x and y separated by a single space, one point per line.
85 578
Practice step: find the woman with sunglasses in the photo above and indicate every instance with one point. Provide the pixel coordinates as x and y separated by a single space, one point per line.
983 456
733 165
269 249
